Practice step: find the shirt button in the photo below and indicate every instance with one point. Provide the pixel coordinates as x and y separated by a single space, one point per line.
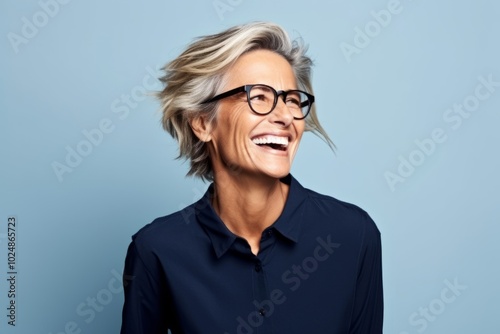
258 267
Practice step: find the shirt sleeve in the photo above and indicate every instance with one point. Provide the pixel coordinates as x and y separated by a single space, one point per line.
144 309
368 310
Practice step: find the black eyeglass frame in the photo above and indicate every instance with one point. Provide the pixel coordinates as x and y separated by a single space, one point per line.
247 88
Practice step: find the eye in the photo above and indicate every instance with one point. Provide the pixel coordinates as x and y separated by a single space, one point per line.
260 97
261 94
293 100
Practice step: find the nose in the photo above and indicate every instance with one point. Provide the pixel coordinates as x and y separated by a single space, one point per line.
281 114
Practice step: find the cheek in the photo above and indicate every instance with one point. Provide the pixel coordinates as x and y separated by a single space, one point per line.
300 127
240 120
231 126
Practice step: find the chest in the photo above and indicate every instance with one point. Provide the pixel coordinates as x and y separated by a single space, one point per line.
287 288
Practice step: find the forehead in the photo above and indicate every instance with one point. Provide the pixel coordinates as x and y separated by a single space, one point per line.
261 66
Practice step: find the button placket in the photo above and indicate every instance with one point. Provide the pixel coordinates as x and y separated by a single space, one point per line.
260 289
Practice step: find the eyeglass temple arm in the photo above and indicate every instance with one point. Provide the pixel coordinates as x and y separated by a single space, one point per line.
226 94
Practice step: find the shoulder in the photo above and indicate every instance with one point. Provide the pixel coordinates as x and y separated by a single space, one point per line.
177 227
332 203
343 214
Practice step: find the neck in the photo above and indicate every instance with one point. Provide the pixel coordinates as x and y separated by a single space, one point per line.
248 205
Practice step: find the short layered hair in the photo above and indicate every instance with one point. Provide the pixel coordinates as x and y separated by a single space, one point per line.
198 74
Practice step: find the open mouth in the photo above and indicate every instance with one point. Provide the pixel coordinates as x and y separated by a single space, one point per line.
273 142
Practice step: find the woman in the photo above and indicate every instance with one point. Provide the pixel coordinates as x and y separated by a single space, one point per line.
258 253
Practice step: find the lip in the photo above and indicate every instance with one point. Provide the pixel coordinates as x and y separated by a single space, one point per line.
276 134
270 150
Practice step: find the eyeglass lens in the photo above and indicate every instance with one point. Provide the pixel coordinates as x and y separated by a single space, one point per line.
262 100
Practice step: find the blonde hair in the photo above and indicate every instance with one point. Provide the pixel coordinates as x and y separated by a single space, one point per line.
198 73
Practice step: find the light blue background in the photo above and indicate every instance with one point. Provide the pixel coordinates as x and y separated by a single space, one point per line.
441 224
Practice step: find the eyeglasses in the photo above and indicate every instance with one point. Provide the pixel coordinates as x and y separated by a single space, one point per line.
262 99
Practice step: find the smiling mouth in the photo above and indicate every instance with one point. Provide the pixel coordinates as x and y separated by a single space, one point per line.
274 142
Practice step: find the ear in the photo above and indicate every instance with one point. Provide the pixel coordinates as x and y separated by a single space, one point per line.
201 128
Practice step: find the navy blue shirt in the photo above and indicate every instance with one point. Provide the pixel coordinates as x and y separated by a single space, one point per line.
318 271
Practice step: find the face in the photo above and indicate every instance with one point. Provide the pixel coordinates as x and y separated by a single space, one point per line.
257 145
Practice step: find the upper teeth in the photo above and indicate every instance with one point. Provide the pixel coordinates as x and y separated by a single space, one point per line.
271 140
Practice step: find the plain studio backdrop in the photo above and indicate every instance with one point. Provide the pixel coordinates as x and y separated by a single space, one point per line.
409 91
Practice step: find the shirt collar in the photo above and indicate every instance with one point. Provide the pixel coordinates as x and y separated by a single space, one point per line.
288 223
